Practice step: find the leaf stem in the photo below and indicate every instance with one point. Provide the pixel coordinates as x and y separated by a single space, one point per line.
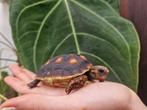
4 67
72 26
40 30
6 59
6 44
3 97
5 38
11 48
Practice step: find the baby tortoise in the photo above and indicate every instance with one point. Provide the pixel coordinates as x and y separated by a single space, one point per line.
70 71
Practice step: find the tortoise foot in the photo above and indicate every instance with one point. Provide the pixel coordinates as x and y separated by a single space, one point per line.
76 83
33 84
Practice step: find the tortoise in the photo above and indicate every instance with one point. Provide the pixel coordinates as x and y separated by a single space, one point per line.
70 71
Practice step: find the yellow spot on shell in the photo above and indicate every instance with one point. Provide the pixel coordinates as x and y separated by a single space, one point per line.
59 60
73 61
83 57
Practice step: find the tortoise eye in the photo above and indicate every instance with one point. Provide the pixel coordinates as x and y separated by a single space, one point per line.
101 70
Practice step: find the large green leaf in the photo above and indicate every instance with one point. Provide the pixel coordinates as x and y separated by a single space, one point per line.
114 4
43 29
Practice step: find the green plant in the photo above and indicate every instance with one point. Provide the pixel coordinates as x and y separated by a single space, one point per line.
114 4
5 91
3 88
43 29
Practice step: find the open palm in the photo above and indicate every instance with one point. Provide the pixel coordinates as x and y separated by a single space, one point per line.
94 96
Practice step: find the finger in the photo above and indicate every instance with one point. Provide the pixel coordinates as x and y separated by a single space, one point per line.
19 73
7 104
39 102
17 84
15 102
30 74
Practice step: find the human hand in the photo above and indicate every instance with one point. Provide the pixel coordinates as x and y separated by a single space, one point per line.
94 96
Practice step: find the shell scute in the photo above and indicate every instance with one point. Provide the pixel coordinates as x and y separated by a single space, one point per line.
73 61
59 60
65 65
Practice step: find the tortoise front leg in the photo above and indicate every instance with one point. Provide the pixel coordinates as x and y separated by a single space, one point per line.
33 84
76 83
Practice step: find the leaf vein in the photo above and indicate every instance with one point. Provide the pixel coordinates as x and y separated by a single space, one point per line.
39 32
24 9
72 26
96 37
60 44
104 20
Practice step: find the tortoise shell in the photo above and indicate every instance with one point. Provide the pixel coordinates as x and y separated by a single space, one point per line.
71 71
65 66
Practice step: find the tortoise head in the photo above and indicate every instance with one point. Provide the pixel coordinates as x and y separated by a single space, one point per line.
100 72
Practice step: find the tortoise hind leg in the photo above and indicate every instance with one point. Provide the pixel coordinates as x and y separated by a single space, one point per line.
33 84
76 83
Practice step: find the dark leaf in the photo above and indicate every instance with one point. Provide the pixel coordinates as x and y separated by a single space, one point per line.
43 29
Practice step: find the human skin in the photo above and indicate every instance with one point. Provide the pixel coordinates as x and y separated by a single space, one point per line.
94 96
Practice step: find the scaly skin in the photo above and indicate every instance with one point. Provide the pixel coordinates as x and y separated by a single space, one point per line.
76 83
